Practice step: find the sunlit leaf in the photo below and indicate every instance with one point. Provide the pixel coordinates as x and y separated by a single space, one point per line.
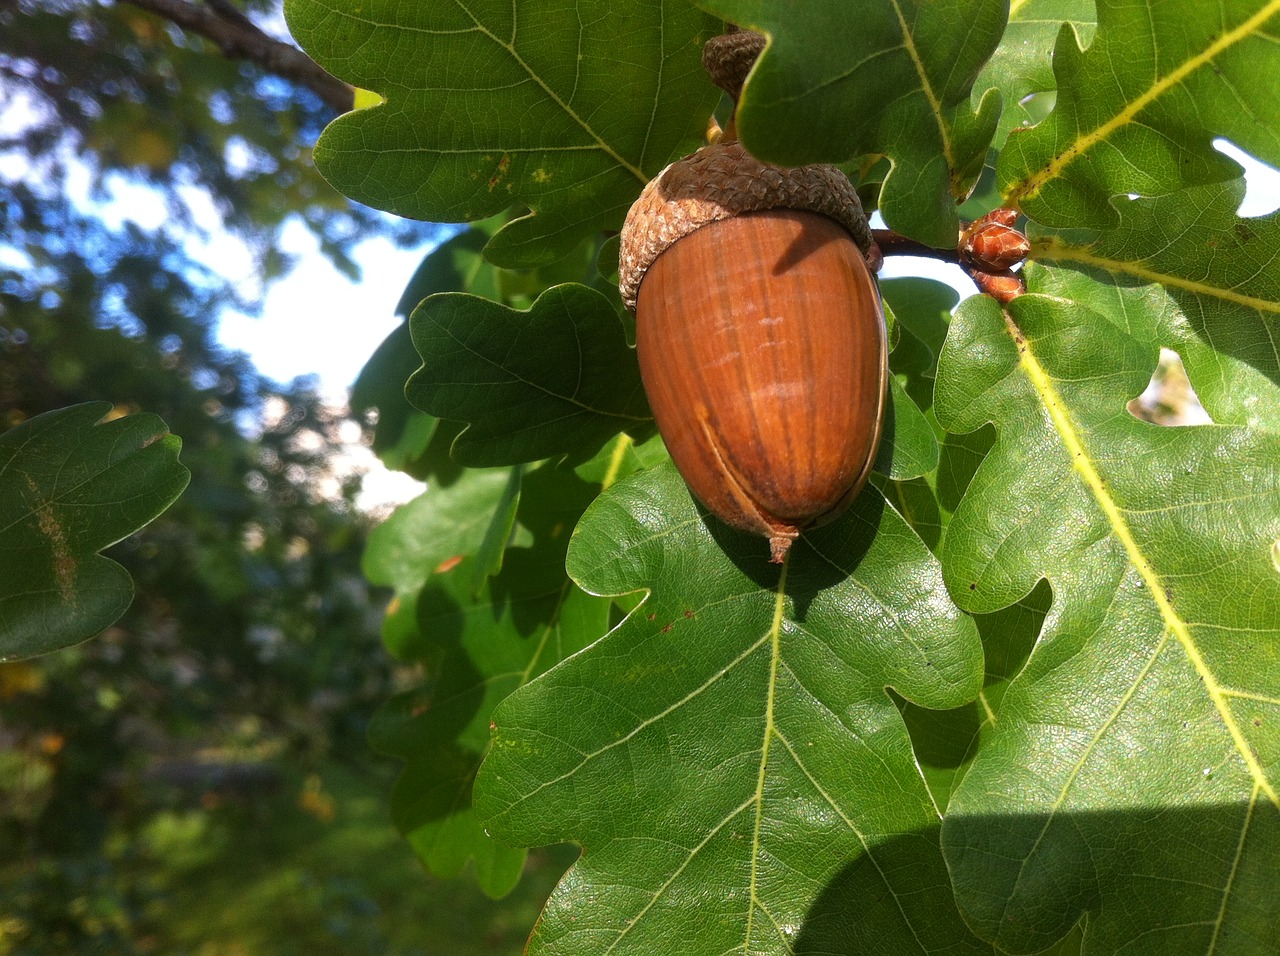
439 525
72 484
569 108
493 546
729 757
1184 271
946 741
1138 111
620 458
1132 773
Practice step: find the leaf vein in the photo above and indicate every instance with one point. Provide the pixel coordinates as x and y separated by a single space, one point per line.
1031 185
1084 466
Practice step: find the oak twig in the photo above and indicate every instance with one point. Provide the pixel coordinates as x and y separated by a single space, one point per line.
239 38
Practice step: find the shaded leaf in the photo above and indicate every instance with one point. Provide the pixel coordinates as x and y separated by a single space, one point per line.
922 308
908 447
439 524
728 756
493 546
402 434
569 109
1153 686
478 647
450 267
1184 271
1138 111
554 380
1023 62
895 82
72 484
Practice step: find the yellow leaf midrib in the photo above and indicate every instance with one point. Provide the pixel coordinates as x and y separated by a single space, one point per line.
1082 463
1052 248
935 105
1029 187
775 648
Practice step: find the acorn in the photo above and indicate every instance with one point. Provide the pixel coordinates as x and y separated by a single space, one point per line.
759 330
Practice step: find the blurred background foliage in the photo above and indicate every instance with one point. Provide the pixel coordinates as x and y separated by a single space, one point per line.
197 780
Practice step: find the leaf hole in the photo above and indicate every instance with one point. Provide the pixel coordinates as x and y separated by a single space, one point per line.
1169 398
1261 182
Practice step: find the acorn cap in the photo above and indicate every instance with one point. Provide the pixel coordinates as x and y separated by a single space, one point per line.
728 58
720 181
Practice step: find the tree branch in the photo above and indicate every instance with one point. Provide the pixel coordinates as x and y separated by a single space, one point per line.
240 39
893 244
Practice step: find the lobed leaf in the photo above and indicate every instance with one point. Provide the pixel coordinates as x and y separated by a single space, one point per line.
728 756
895 79
1137 112
402 434
566 106
908 447
1022 65
1131 775
440 524
1186 272
71 484
478 646
922 308
557 379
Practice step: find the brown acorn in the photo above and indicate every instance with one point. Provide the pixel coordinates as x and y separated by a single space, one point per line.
760 335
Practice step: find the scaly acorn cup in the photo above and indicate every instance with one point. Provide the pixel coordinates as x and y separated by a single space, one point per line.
760 334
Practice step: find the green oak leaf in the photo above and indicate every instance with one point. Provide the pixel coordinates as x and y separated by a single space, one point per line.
451 266
500 532
620 458
440 524
1022 64
1133 774
729 757
71 484
568 107
946 741
888 78
402 434
1186 272
908 447
922 308
1137 112
477 647
556 379
917 501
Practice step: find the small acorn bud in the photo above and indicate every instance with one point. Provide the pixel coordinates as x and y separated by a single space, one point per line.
1004 286
760 336
992 243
